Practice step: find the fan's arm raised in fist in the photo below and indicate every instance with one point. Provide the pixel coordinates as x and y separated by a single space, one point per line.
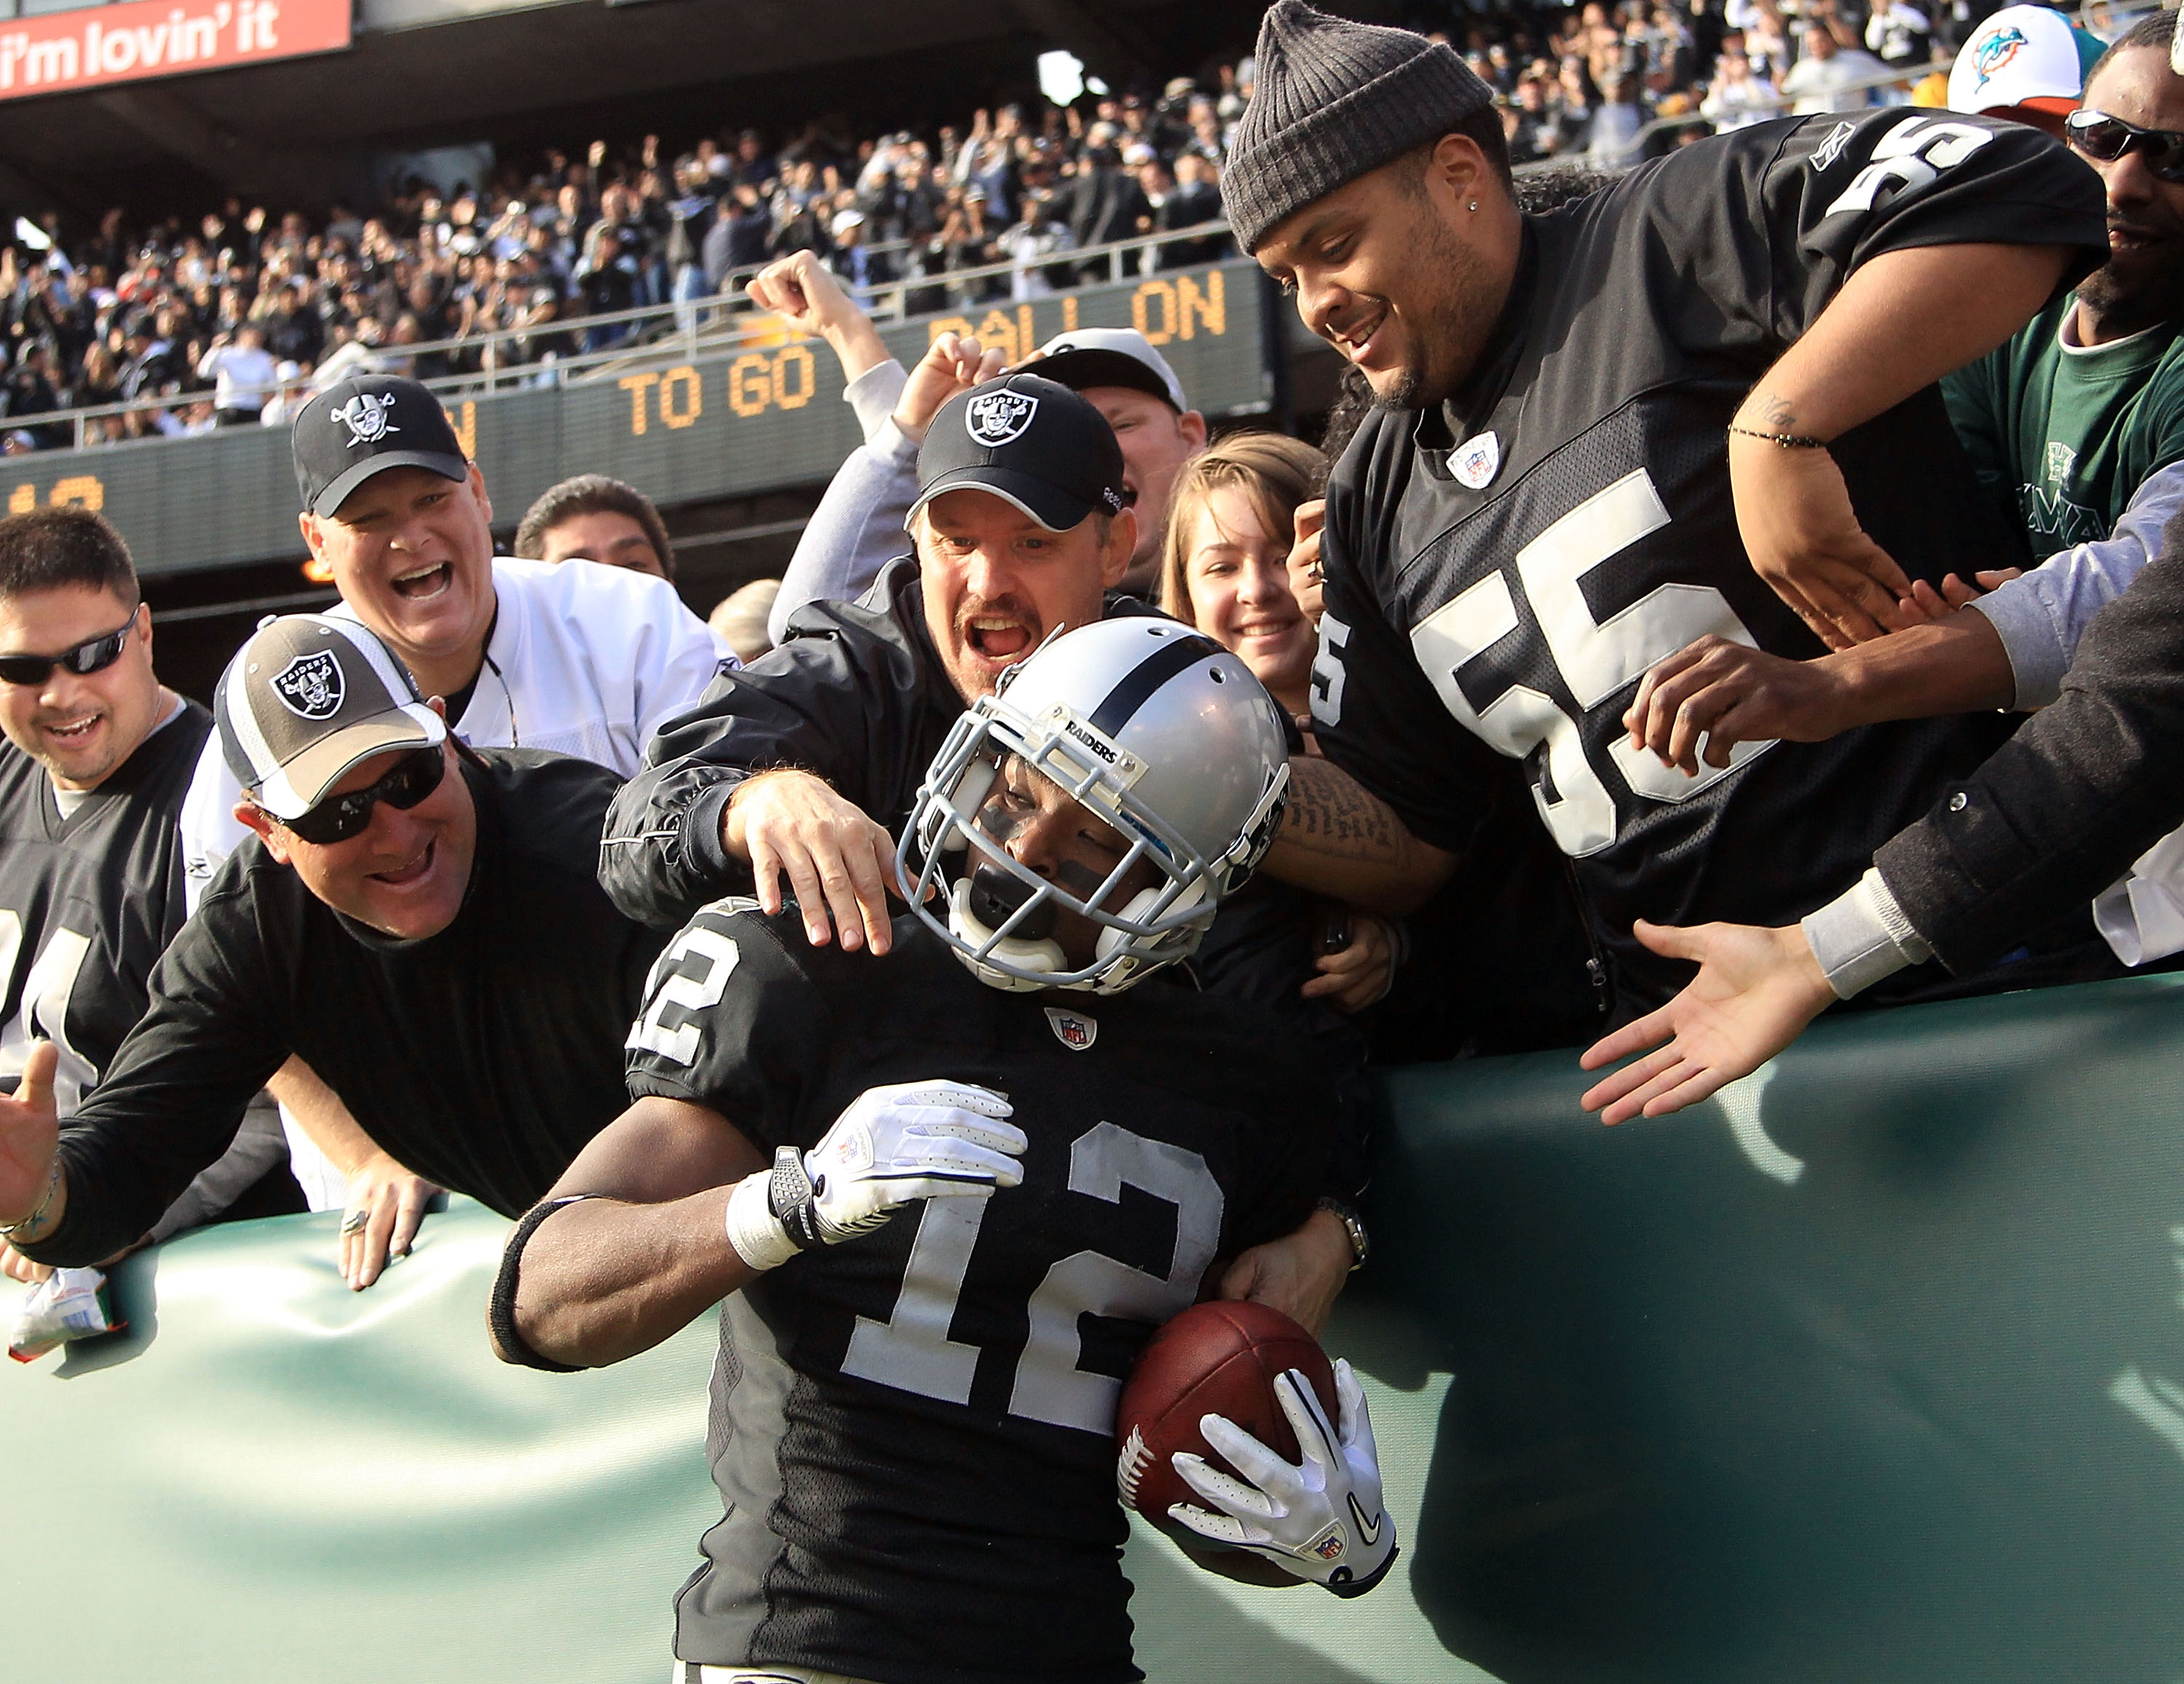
950 365
804 292
33 1187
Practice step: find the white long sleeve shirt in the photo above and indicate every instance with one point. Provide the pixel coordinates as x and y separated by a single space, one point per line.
584 660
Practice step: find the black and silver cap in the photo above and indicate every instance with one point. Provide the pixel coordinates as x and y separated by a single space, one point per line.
364 425
309 697
1029 441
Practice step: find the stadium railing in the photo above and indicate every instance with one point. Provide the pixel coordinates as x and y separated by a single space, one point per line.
733 407
649 334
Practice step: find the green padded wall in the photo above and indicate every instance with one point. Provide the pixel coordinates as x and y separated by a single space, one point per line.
1871 1370
269 1480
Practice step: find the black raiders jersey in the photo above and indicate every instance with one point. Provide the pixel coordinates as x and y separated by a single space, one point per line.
913 1431
1503 571
89 902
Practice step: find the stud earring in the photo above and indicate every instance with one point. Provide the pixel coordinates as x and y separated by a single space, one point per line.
1474 204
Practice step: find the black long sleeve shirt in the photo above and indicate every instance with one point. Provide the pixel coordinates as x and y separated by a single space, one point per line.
482 1057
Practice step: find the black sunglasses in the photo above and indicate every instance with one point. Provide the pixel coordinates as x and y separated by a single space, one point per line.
2097 135
338 817
94 656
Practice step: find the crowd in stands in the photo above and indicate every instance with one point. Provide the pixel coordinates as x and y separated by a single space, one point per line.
236 315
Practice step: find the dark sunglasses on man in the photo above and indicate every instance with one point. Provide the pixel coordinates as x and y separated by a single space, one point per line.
94 656
338 817
2099 135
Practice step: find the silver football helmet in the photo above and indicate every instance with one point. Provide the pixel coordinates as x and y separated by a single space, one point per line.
1155 729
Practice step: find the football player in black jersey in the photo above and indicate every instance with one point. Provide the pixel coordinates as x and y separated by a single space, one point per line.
1607 429
990 1180
99 756
798 774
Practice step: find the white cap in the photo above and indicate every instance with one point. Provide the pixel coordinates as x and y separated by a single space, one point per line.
1107 356
846 220
2023 55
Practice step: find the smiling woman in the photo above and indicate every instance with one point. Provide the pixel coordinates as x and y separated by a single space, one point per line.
1225 560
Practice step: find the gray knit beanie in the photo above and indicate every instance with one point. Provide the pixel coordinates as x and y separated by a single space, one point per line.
1334 101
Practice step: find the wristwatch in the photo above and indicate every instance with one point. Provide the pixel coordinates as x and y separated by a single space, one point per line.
1361 1243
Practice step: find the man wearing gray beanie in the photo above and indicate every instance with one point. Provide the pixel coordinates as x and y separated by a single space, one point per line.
1601 429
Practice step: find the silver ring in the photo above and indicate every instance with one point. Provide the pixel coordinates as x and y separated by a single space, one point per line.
356 1222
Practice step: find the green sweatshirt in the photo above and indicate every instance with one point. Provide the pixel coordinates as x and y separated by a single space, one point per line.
2064 435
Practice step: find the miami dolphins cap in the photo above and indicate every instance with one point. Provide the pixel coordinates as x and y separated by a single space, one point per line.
1029 441
363 426
1107 356
2023 55
306 698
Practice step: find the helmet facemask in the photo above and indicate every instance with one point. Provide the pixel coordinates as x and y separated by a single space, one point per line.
1151 906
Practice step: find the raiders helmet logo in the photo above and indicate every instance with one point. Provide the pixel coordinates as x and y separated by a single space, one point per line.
1072 1029
994 418
369 418
311 686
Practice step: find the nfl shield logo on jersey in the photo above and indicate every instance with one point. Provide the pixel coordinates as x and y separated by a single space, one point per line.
1476 461
994 418
1073 1028
311 686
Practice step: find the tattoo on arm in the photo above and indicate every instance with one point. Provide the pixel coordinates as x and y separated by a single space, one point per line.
1777 412
1328 814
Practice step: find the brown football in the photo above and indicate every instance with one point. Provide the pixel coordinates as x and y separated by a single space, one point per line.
1218 1358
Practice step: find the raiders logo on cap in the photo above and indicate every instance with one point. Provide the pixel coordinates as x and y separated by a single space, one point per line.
369 418
1029 442
311 686
994 418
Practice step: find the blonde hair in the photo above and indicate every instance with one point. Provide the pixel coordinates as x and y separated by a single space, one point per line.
1275 472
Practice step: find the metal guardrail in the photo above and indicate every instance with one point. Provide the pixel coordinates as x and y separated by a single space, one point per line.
652 332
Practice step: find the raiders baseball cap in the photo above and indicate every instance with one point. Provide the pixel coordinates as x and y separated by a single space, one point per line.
1107 356
1029 442
307 698
364 425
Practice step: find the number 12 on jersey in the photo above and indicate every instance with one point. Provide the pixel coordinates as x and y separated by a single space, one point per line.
913 1351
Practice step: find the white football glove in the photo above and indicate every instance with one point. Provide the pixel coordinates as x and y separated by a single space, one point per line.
1323 1520
895 1144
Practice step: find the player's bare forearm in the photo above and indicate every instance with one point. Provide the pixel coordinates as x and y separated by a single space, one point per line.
1339 840
617 1273
1901 322
1722 693
1953 666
